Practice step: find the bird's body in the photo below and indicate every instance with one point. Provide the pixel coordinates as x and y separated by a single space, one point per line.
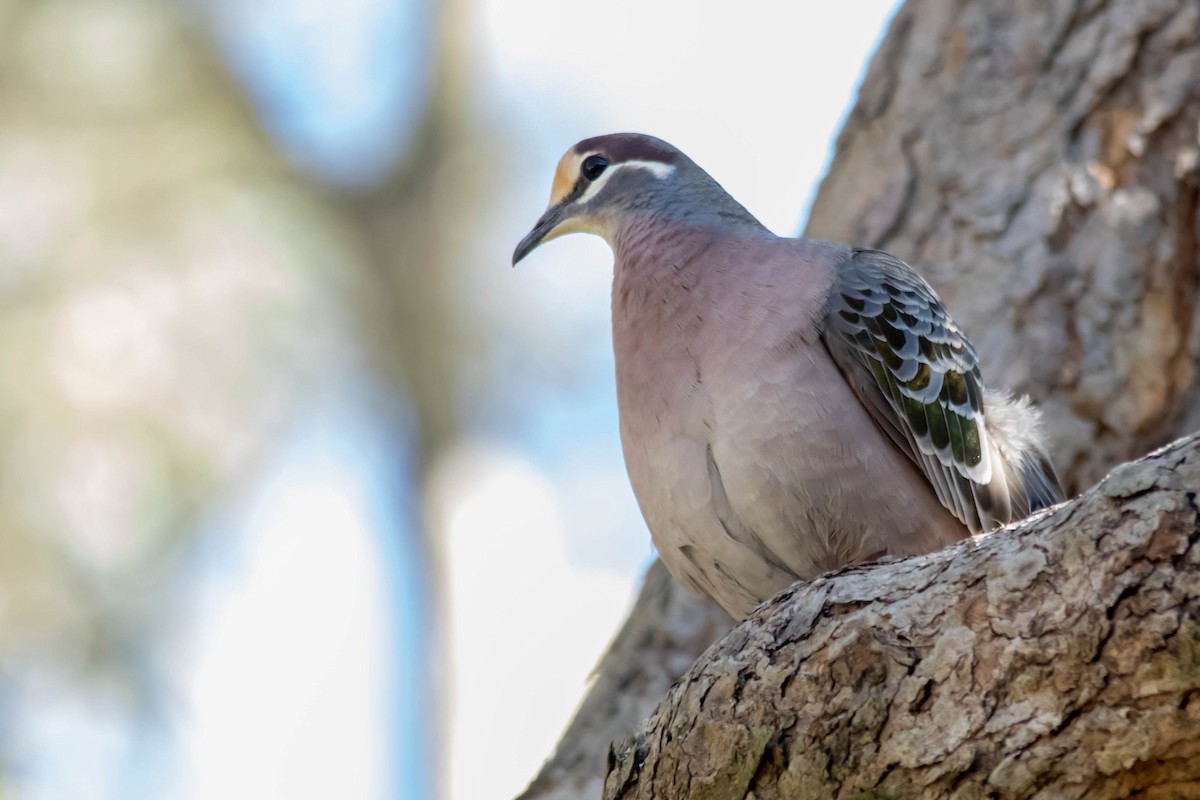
788 406
751 461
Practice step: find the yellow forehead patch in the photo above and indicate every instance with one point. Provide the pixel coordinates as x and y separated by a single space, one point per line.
565 176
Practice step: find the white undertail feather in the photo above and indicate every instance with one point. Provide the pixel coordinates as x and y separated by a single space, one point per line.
1015 428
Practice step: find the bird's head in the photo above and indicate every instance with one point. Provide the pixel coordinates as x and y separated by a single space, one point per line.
601 179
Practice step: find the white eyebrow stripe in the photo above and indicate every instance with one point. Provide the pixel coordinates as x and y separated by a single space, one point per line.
658 168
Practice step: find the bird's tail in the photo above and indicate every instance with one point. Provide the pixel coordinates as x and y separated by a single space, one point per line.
1015 427
1042 485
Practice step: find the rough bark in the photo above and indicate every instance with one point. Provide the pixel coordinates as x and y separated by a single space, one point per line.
1040 164
1056 659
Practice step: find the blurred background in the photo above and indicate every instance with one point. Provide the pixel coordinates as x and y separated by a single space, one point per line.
304 491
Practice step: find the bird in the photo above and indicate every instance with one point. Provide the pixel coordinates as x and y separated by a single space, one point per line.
787 406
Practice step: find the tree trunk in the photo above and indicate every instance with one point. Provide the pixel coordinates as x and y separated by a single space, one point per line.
1039 163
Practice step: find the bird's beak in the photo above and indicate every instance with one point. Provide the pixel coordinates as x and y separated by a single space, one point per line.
541 232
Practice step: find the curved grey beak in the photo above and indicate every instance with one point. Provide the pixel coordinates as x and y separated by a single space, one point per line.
547 223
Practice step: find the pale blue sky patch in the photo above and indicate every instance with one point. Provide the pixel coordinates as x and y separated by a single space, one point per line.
304 672
342 84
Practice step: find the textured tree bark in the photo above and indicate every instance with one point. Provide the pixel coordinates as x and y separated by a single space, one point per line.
1056 659
1039 163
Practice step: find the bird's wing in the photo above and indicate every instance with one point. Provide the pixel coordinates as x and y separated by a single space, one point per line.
918 376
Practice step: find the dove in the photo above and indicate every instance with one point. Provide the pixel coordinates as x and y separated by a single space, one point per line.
787 406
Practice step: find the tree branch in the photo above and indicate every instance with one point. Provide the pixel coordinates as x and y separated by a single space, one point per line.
1058 658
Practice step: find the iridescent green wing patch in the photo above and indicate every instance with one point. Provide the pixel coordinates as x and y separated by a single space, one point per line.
917 375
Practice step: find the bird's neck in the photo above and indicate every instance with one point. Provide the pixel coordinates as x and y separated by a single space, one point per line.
664 265
652 243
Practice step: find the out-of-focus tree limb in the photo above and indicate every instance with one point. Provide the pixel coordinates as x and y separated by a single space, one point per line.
411 311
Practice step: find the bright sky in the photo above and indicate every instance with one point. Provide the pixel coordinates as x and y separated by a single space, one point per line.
260 706
307 612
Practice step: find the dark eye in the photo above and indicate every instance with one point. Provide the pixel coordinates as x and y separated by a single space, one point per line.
593 166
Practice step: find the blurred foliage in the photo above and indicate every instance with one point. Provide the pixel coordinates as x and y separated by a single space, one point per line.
174 294
155 256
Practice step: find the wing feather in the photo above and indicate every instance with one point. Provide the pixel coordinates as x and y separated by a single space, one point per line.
917 376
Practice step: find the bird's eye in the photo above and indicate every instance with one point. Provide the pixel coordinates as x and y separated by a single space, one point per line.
593 166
